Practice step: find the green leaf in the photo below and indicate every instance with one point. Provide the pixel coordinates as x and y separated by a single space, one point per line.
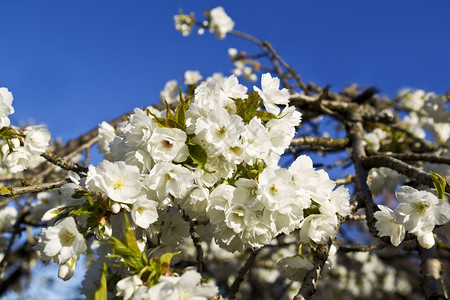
439 183
101 292
252 104
265 116
167 257
168 122
130 238
198 155
180 113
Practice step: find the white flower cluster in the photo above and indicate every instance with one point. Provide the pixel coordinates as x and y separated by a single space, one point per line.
252 213
6 99
242 66
63 244
218 23
24 150
373 139
184 23
426 111
418 213
363 275
214 158
185 286
383 178
20 148
155 163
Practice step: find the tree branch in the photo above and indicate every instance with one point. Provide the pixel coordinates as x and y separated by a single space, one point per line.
241 274
331 143
400 167
431 269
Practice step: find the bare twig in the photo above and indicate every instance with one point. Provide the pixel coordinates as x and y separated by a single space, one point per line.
432 158
360 248
331 143
66 165
14 191
241 274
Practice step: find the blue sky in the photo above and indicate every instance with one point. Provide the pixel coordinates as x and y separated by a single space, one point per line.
72 64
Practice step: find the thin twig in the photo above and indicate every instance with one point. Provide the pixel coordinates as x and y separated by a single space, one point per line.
241 274
65 164
432 158
331 143
14 191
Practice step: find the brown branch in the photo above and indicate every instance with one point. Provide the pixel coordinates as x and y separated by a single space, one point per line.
198 247
331 143
14 191
65 164
87 137
400 167
431 269
363 193
432 158
360 248
298 99
309 284
346 180
355 218
241 274
288 67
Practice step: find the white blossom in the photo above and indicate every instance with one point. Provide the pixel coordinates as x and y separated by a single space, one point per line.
192 77
387 226
373 139
294 267
169 179
106 135
17 160
170 92
420 208
184 287
37 139
220 23
61 242
118 181
168 144
127 286
318 228
8 216
6 99
144 212
271 94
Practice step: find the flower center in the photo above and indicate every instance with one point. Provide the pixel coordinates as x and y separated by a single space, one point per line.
67 238
421 207
119 183
140 210
273 190
167 144
221 132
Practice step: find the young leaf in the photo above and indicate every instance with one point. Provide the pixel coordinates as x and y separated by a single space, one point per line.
101 292
130 238
439 183
198 155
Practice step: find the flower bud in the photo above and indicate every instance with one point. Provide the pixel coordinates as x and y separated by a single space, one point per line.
67 269
115 208
51 214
